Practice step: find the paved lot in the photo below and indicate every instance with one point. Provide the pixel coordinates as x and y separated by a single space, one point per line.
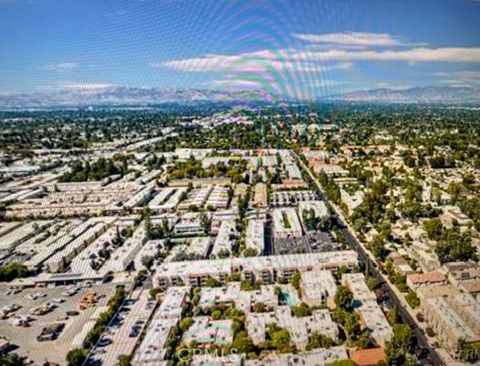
25 337
309 243
135 312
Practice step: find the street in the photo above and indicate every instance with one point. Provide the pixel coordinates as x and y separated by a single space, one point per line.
367 258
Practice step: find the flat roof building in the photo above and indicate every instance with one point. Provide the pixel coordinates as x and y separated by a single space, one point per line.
299 328
293 172
448 325
316 357
268 268
255 235
318 288
223 245
260 195
189 223
218 198
365 304
232 294
199 246
286 223
205 332
197 197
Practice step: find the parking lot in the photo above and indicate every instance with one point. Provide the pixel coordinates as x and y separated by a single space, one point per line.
19 330
309 243
122 335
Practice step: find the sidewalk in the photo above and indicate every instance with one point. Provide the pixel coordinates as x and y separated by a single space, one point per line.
444 357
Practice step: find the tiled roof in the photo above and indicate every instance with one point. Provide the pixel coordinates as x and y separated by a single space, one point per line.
367 357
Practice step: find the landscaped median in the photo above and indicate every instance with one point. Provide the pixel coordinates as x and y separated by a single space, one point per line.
77 356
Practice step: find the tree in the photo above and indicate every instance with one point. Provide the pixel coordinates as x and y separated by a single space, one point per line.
295 280
250 252
392 315
412 299
344 298
11 359
343 363
352 326
186 323
454 246
377 246
301 310
77 356
223 253
471 208
124 360
148 226
242 343
234 277
147 261
100 169
250 285
434 228
204 222
280 338
373 283
216 314
13 270
154 291
397 349
212 282
468 179
260 307
318 340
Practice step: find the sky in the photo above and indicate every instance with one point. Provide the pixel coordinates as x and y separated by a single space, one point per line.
302 49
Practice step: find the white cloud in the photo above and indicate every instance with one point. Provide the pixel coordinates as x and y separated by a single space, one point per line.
82 86
352 38
254 62
420 54
391 85
317 61
460 78
59 66
300 71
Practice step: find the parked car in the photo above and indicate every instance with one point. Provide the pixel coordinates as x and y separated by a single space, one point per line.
134 331
104 342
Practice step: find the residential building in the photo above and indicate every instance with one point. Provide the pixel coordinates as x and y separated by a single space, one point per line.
318 288
286 223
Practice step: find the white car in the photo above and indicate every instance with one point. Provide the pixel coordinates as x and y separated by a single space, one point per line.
36 295
16 290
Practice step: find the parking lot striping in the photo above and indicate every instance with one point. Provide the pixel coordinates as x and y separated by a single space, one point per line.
119 331
25 338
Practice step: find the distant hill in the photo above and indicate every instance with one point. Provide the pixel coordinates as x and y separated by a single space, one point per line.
420 95
115 95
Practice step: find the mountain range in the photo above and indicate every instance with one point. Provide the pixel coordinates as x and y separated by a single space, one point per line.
115 95
417 95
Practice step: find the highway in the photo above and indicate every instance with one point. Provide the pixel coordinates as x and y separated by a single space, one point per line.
373 271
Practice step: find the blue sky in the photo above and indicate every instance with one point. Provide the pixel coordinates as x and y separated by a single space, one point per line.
295 48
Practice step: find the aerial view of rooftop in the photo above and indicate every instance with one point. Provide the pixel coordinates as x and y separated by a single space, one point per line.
239 182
